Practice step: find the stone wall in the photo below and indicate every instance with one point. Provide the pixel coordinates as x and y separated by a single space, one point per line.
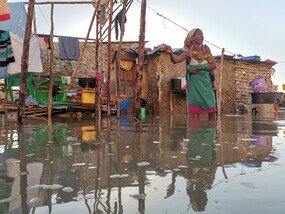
160 70
236 77
87 65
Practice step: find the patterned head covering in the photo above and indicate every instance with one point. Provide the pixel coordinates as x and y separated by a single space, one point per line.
189 38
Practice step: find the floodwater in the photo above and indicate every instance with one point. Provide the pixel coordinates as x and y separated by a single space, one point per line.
163 165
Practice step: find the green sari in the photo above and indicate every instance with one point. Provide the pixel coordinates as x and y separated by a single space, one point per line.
201 97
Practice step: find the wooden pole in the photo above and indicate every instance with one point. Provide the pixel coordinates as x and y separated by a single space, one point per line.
109 58
35 23
25 62
97 75
220 81
118 58
139 75
82 50
128 7
50 67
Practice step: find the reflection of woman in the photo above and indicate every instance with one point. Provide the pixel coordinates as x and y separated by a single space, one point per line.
201 170
201 98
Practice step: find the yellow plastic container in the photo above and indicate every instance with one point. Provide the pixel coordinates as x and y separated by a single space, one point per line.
283 87
88 133
88 96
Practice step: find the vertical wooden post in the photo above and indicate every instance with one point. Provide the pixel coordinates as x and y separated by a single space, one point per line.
50 68
139 75
98 75
35 23
118 58
25 62
220 82
109 58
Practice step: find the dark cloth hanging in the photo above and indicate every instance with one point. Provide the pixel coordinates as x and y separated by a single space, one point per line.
118 21
68 48
6 51
87 82
47 41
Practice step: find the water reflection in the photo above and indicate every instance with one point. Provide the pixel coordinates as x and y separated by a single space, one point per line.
164 165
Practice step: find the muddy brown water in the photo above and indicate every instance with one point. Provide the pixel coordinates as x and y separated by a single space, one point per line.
166 164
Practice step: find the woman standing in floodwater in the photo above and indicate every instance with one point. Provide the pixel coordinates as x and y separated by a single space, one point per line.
201 97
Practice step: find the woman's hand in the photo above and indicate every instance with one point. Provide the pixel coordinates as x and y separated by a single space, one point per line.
193 71
167 49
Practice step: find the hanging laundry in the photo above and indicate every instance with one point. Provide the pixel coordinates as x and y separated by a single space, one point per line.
68 48
6 51
118 21
17 23
4 10
35 63
47 41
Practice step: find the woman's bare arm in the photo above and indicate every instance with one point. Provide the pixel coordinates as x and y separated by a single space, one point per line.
213 65
175 58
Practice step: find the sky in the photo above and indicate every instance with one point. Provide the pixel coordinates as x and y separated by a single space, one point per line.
254 27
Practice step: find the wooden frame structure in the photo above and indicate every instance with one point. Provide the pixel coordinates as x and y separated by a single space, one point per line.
99 38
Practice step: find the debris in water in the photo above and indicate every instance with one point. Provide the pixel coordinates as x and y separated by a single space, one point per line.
67 189
139 196
144 163
150 172
79 164
156 142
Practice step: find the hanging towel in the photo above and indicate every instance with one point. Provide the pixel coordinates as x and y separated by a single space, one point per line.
68 48
35 63
118 21
17 23
4 10
6 51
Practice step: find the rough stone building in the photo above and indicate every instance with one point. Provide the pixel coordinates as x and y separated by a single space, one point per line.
235 87
157 75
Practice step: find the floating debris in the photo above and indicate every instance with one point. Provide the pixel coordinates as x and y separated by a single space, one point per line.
34 202
173 157
186 140
127 147
67 189
46 186
235 147
92 167
30 155
248 139
79 164
167 171
110 143
144 163
150 172
139 196
5 200
176 170
119 176
23 173
156 142
198 157
183 167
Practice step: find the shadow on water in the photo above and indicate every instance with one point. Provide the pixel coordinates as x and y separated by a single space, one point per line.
162 165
